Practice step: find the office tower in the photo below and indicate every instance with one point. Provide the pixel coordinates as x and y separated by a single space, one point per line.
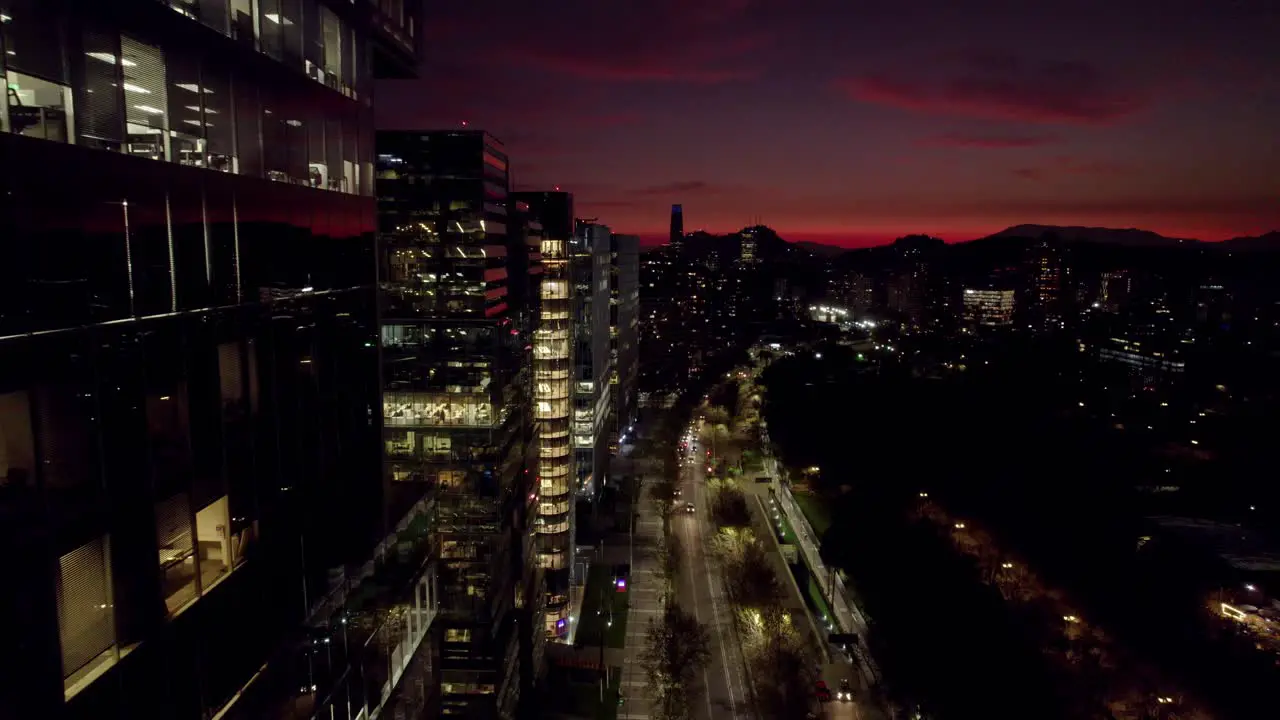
677 228
747 252
1047 282
1114 290
553 371
988 307
661 365
590 257
859 295
458 421
188 344
624 320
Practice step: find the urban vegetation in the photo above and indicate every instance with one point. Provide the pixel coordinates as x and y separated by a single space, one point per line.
677 648
779 664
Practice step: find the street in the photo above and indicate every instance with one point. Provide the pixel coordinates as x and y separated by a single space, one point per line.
701 591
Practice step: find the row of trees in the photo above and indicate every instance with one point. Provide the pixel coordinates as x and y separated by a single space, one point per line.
1105 679
777 660
677 648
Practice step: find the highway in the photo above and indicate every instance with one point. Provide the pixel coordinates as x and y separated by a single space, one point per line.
700 590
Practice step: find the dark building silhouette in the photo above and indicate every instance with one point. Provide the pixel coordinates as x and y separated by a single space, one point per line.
624 320
1047 282
677 228
590 250
188 358
459 433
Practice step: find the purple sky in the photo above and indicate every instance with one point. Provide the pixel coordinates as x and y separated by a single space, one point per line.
856 121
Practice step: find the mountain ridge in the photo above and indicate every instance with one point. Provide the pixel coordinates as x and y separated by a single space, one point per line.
1129 237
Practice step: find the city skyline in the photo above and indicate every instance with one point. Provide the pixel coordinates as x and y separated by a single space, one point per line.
855 126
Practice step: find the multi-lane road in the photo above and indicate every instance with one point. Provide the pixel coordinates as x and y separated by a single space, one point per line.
723 691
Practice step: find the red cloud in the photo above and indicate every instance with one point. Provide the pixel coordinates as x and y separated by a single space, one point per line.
661 41
707 60
1063 165
1004 88
681 186
633 69
962 140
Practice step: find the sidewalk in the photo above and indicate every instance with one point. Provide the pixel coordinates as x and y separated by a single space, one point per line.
646 602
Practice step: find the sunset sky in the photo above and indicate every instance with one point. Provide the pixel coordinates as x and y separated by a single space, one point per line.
855 121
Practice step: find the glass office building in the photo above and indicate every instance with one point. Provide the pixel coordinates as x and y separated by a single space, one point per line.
457 412
624 328
590 253
188 355
553 368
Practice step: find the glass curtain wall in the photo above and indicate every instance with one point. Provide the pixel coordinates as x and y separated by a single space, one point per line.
552 377
144 98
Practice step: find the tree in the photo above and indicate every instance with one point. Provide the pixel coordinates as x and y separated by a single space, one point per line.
753 582
670 551
729 505
716 415
662 494
678 647
777 660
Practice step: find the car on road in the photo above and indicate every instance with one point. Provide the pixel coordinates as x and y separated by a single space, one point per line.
688 507
822 691
845 693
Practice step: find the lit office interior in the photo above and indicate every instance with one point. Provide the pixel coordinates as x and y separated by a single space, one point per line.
552 371
150 100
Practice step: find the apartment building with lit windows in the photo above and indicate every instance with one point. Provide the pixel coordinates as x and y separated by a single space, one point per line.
988 307
458 423
188 357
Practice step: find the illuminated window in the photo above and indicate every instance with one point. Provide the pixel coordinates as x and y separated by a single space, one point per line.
86 615
177 552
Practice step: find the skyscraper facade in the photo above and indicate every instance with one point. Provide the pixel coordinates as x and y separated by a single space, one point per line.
624 329
988 307
591 397
553 373
458 423
747 250
189 361
1047 273
677 228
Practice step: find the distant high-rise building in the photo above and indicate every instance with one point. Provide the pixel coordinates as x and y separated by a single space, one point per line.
553 376
677 228
188 443
458 419
988 307
1047 282
590 251
747 253
624 308
854 291
1114 290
